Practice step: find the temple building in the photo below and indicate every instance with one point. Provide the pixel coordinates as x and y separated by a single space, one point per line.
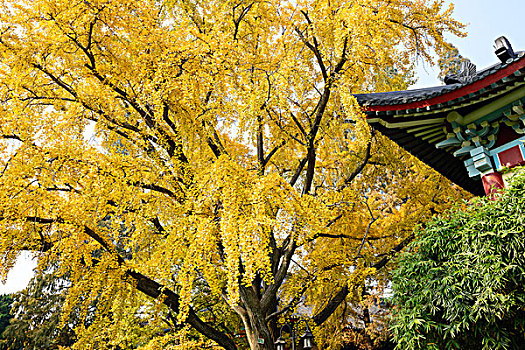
469 129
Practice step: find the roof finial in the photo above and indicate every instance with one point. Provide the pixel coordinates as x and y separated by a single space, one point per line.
504 49
467 70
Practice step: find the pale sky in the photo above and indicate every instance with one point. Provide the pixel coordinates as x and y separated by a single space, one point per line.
486 19
19 275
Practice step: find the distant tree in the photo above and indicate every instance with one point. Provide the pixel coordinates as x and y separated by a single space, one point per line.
37 315
450 62
36 318
5 316
461 283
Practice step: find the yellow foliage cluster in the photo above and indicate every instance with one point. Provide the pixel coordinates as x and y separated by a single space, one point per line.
209 151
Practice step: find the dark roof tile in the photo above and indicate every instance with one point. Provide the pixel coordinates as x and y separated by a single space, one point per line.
409 96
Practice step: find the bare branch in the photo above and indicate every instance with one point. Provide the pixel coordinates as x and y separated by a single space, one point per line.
374 219
359 168
298 171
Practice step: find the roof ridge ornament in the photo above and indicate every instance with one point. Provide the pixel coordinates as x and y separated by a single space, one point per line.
503 49
467 70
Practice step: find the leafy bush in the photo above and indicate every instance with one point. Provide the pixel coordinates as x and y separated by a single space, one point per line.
461 284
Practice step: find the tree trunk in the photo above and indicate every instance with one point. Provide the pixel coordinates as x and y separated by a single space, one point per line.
257 331
253 316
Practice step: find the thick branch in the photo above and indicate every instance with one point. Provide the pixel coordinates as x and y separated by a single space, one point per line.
313 47
381 263
310 170
150 287
156 290
282 271
359 168
272 152
260 146
332 305
157 188
298 171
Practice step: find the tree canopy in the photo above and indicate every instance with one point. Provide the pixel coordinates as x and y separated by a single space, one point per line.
210 156
35 316
460 284
5 306
36 312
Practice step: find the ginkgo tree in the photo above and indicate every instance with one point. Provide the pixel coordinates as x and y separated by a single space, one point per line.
210 155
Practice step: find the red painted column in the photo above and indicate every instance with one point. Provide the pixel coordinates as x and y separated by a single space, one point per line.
493 183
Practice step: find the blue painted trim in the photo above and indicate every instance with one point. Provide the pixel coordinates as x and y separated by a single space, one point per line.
508 145
494 153
497 162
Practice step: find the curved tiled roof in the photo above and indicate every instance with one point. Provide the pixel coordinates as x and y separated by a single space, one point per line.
412 96
404 96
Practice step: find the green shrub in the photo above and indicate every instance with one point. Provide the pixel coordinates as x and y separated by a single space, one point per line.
461 283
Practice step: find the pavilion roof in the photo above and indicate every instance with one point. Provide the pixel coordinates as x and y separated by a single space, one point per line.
418 120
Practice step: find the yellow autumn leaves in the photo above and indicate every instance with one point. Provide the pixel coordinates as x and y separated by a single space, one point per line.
211 147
